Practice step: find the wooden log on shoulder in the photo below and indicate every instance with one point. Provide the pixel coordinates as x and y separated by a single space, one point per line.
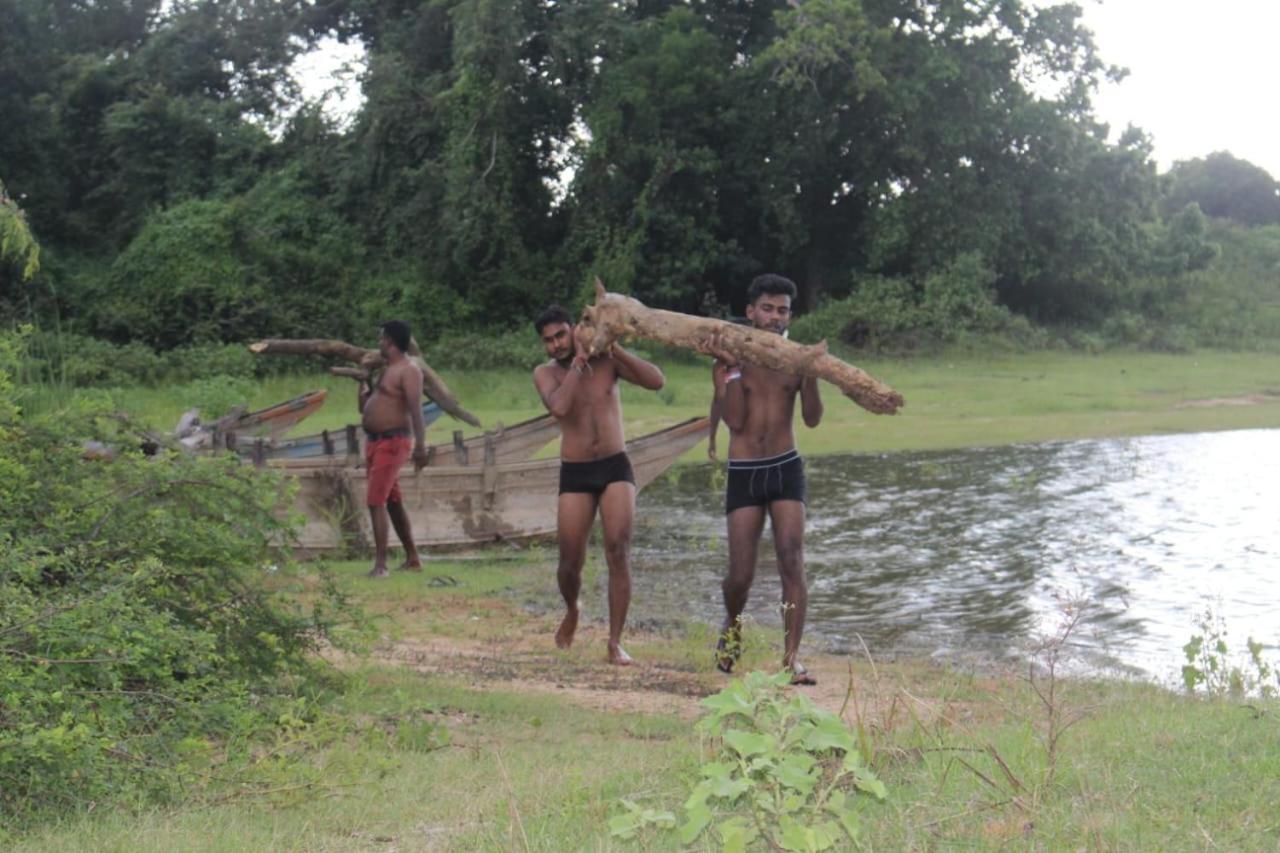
615 316
369 360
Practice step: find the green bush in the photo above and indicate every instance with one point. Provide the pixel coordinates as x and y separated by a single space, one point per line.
202 361
139 630
520 348
214 396
81 361
784 775
955 304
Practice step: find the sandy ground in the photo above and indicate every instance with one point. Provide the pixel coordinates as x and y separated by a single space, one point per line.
527 660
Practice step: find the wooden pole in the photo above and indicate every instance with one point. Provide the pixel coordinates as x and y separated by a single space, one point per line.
615 317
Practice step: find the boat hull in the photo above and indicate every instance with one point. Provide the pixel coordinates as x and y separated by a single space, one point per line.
451 506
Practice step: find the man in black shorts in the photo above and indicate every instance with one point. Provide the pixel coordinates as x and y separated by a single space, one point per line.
582 394
766 474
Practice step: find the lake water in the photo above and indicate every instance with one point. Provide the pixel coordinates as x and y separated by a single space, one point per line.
962 554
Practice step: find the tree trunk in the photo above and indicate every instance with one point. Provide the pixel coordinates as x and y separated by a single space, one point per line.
615 316
369 360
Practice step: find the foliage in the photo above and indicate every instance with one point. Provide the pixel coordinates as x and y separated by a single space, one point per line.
1226 187
138 624
214 396
783 771
17 246
506 153
1209 666
889 314
518 349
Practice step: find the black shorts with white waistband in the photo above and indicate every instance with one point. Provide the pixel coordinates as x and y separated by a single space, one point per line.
595 476
760 482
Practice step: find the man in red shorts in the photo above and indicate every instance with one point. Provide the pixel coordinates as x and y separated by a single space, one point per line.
391 413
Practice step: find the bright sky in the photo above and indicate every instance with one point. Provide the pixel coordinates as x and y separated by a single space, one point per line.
1203 75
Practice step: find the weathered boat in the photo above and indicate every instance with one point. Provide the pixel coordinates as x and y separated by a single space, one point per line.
511 444
326 442
458 505
240 429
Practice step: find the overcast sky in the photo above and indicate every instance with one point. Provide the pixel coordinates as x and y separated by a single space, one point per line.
1203 75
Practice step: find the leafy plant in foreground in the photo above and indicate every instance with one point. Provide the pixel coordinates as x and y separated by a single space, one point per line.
783 771
1209 667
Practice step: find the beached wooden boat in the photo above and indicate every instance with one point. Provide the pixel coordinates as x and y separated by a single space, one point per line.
510 444
241 429
327 442
459 505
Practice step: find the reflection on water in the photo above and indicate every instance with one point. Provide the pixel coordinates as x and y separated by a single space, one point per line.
961 553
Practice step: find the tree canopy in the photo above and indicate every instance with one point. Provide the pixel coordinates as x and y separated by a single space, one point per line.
506 152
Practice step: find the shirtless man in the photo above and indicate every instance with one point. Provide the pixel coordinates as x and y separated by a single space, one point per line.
392 412
582 394
766 474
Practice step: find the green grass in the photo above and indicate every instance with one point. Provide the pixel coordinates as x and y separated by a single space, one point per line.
413 760
958 401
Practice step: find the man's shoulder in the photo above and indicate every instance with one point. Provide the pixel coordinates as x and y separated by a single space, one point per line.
547 368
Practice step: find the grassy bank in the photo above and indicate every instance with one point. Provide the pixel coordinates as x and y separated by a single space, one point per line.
464 728
951 401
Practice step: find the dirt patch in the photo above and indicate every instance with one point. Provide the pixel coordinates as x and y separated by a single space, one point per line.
527 664
526 660
1220 402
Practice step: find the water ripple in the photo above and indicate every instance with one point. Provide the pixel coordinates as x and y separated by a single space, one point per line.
964 551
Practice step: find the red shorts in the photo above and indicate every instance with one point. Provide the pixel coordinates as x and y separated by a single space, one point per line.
383 459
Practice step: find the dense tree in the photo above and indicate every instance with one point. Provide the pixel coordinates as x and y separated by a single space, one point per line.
1225 187
508 151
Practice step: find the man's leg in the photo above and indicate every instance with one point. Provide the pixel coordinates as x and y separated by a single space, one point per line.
575 513
617 514
381 524
745 525
788 540
400 521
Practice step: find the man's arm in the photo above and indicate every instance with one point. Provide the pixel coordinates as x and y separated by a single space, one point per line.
727 374
636 370
364 390
717 391
557 396
412 387
810 402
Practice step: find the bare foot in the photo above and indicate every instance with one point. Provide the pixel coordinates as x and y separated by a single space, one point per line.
378 571
564 634
619 657
414 565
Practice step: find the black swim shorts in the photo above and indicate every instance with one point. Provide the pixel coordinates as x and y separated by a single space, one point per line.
759 482
593 477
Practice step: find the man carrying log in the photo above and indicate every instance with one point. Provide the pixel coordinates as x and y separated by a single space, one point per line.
766 474
582 393
390 413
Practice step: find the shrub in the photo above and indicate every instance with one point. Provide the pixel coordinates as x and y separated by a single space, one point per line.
520 348
202 361
950 305
137 624
214 396
783 771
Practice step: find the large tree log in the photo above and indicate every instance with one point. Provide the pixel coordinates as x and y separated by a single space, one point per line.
369 360
616 316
